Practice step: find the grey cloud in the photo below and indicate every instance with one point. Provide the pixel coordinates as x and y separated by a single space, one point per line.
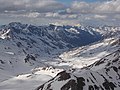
61 15
31 5
11 5
96 7
44 6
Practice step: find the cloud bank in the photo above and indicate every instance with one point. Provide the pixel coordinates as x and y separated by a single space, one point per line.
50 11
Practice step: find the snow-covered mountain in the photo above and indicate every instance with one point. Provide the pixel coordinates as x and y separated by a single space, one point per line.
34 54
103 74
23 45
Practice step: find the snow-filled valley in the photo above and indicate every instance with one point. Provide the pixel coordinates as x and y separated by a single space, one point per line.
32 55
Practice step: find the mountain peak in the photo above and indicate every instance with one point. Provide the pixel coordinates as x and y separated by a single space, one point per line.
15 23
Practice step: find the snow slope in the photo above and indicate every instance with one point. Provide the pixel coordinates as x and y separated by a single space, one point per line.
86 55
104 74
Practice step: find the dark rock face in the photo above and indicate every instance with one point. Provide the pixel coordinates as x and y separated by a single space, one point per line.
108 85
63 76
80 83
91 87
70 85
99 62
2 62
29 57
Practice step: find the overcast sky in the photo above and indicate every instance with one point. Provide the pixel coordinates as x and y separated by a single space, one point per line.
70 12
